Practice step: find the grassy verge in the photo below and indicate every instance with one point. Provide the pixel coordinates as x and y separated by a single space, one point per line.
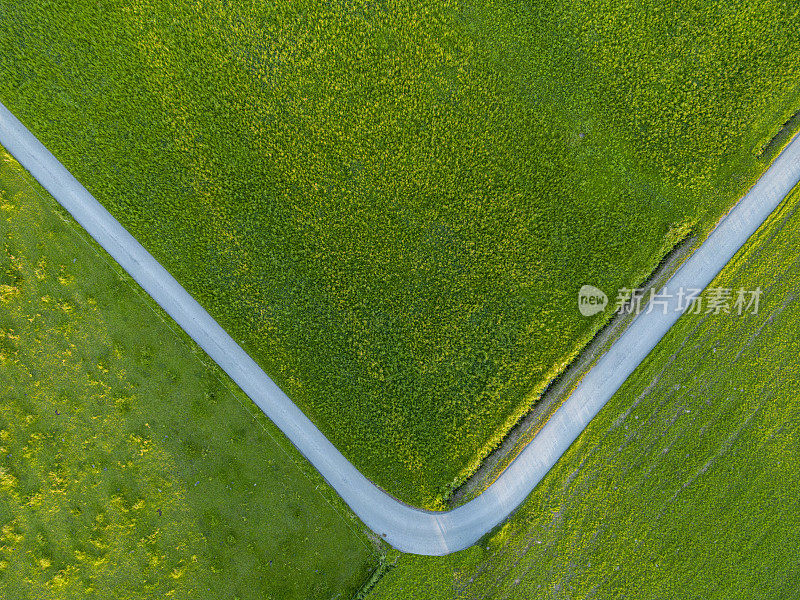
684 486
128 468
560 388
392 205
782 137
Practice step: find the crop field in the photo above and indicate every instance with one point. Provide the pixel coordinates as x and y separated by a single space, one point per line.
128 468
684 486
392 205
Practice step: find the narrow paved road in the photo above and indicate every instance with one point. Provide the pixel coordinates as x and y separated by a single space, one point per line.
408 529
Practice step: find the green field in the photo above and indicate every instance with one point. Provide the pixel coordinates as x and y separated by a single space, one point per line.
684 486
391 205
128 468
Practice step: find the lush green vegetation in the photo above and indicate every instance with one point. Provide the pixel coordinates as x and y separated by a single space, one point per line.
391 205
128 468
684 486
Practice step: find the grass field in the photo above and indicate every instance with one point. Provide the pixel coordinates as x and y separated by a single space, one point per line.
391 205
684 486
128 468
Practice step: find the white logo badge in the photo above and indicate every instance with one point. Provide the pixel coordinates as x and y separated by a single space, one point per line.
591 300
